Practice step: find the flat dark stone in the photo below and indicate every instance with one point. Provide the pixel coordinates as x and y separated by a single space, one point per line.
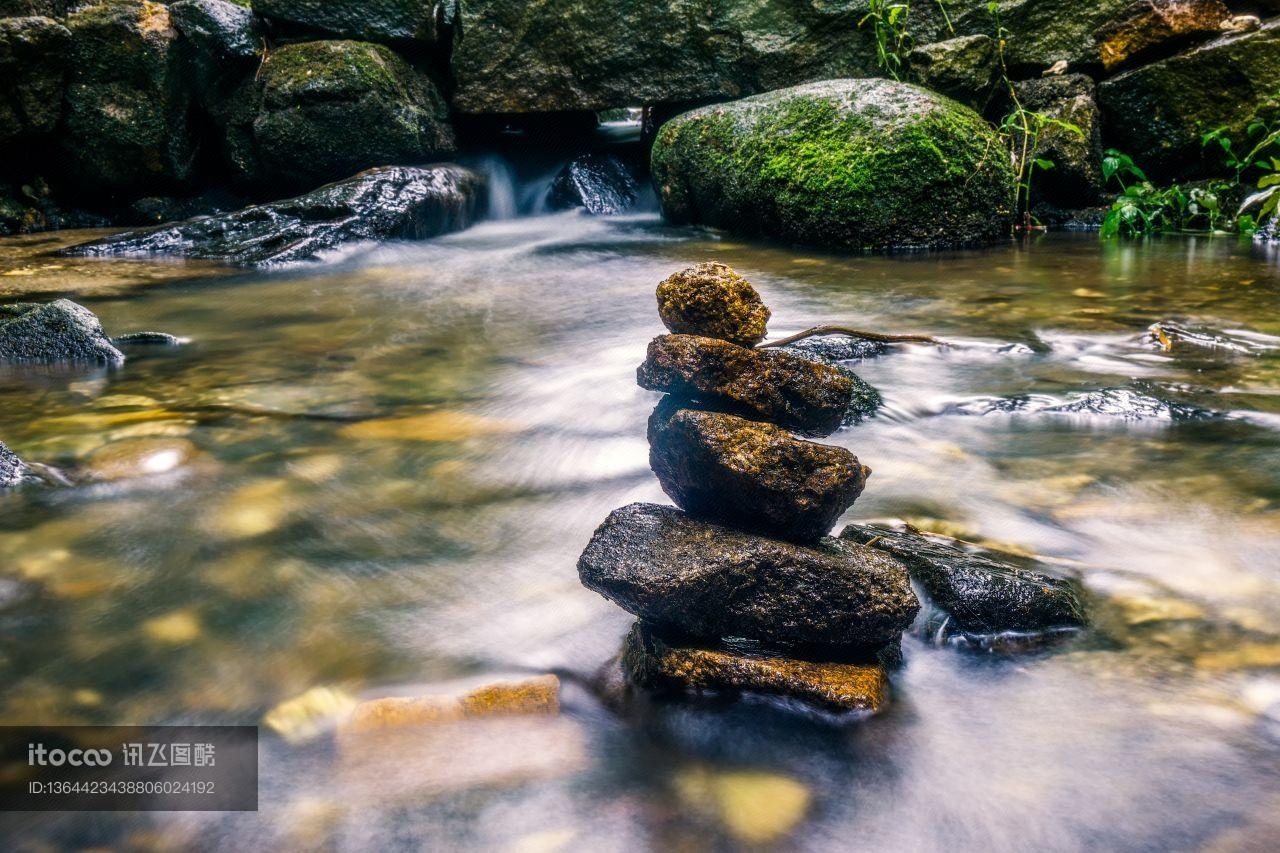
710 581
981 594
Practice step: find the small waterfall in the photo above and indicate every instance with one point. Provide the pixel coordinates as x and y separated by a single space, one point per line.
502 186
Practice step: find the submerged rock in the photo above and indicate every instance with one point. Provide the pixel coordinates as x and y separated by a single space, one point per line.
53 332
981 594
539 695
831 349
1115 403
663 665
862 164
318 111
394 202
713 301
769 385
711 581
12 469
600 183
751 475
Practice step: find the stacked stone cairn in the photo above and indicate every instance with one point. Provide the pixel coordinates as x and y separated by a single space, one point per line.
740 588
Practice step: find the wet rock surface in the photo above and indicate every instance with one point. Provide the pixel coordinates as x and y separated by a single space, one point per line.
12 469
1075 180
380 204
667 665
769 385
711 581
59 331
753 476
832 349
981 594
1128 404
713 301
1151 26
319 111
599 183
855 164
391 21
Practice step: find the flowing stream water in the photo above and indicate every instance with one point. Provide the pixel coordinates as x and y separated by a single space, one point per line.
373 475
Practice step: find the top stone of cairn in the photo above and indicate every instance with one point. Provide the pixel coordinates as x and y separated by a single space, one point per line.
713 301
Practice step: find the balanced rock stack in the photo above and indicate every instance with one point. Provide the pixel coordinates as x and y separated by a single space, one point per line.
741 588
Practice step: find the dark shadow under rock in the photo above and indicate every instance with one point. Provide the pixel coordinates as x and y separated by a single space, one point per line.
659 663
754 476
980 593
600 183
59 331
705 580
394 202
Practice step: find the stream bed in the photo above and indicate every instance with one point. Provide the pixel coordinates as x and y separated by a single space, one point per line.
376 474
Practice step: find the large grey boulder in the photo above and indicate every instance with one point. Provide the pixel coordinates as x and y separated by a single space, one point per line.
1158 113
853 164
980 593
394 202
762 384
753 476
515 57
319 111
711 581
127 130
59 331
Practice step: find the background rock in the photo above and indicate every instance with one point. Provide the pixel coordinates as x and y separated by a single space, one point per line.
1043 32
53 332
1149 26
965 68
710 581
600 183
1076 177
392 21
33 55
749 475
1159 112
869 164
763 384
388 203
322 110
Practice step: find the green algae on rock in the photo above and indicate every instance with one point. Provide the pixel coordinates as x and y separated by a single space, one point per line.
762 384
713 301
855 163
654 662
320 111
749 475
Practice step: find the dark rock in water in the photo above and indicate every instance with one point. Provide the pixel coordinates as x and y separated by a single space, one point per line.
835 348
768 385
127 103
598 182
751 475
1172 336
713 301
711 581
981 594
33 62
1076 177
12 469
1164 108
965 68
153 339
394 202
319 111
391 21
1119 403
53 332
660 664
851 164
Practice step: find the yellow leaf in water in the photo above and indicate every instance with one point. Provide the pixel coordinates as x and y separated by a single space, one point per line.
443 425
176 628
309 714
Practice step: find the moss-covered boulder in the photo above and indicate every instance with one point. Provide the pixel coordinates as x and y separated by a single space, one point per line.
389 21
713 301
319 111
127 105
859 164
1159 112
33 54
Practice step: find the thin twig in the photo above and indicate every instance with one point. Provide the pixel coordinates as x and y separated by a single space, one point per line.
853 333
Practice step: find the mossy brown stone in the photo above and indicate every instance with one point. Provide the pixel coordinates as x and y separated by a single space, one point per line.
655 663
713 301
710 581
754 476
768 385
